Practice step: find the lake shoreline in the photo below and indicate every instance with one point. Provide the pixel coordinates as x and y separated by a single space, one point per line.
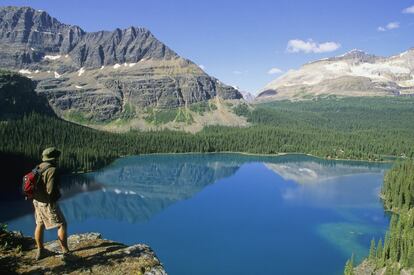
245 154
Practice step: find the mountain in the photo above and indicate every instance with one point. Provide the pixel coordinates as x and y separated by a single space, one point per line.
101 76
249 97
355 73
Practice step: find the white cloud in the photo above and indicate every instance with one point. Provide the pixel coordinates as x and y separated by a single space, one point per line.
237 72
202 67
409 10
389 26
393 25
275 71
310 46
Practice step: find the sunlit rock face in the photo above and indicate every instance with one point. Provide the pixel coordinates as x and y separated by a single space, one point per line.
100 74
355 73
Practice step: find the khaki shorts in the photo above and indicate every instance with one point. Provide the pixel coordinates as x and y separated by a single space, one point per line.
48 214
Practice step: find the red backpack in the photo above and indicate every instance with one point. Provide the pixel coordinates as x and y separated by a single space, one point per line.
31 180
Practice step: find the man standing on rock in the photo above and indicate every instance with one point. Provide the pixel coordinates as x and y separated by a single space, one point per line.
47 212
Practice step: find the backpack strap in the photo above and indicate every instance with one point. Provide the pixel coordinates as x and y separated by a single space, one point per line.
41 171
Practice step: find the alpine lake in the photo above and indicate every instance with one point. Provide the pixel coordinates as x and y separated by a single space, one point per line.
227 213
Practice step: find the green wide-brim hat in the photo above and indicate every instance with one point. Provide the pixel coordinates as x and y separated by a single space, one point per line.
50 154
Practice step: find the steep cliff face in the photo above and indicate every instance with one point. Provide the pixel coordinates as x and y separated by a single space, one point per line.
99 74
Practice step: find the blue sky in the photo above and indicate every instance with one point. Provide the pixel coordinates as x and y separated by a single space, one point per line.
239 42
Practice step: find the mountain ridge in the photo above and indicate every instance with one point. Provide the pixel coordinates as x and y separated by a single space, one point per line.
354 73
102 76
28 27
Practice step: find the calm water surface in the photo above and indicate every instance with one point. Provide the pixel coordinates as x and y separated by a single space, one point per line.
227 213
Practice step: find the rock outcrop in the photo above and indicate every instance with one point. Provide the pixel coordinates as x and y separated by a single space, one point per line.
100 75
91 255
368 268
355 73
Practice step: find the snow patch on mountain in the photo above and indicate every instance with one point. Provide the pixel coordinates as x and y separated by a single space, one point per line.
51 57
81 71
24 71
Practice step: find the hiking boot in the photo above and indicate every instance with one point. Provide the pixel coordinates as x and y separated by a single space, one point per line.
39 254
69 258
43 253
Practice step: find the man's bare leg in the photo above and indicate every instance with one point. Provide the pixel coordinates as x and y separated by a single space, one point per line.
39 236
63 238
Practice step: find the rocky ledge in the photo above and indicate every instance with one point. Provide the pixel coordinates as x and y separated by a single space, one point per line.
92 255
368 268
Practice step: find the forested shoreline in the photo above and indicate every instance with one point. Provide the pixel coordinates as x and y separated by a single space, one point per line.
277 128
395 252
274 130
371 129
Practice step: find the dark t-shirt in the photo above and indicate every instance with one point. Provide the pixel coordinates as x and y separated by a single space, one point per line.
47 190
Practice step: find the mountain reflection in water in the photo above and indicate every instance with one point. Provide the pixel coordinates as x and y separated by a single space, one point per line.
136 188
133 189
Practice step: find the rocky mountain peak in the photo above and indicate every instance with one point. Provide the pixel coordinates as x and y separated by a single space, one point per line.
354 73
355 55
17 24
249 97
354 52
103 75
30 35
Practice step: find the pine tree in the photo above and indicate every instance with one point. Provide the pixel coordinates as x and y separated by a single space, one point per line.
379 253
349 266
372 251
410 256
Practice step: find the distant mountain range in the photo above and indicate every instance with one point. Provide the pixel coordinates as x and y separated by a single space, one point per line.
104 75
119 80
247 96
355 73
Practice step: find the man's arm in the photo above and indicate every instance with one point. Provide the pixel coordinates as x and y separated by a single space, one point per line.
51 181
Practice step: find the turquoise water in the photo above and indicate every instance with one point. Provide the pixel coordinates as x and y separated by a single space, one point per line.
227 213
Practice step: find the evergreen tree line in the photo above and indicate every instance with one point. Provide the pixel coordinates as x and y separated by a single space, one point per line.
386 122
398 188
396 252
342 114
85 149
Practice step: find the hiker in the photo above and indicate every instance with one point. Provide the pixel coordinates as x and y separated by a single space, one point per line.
45 196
